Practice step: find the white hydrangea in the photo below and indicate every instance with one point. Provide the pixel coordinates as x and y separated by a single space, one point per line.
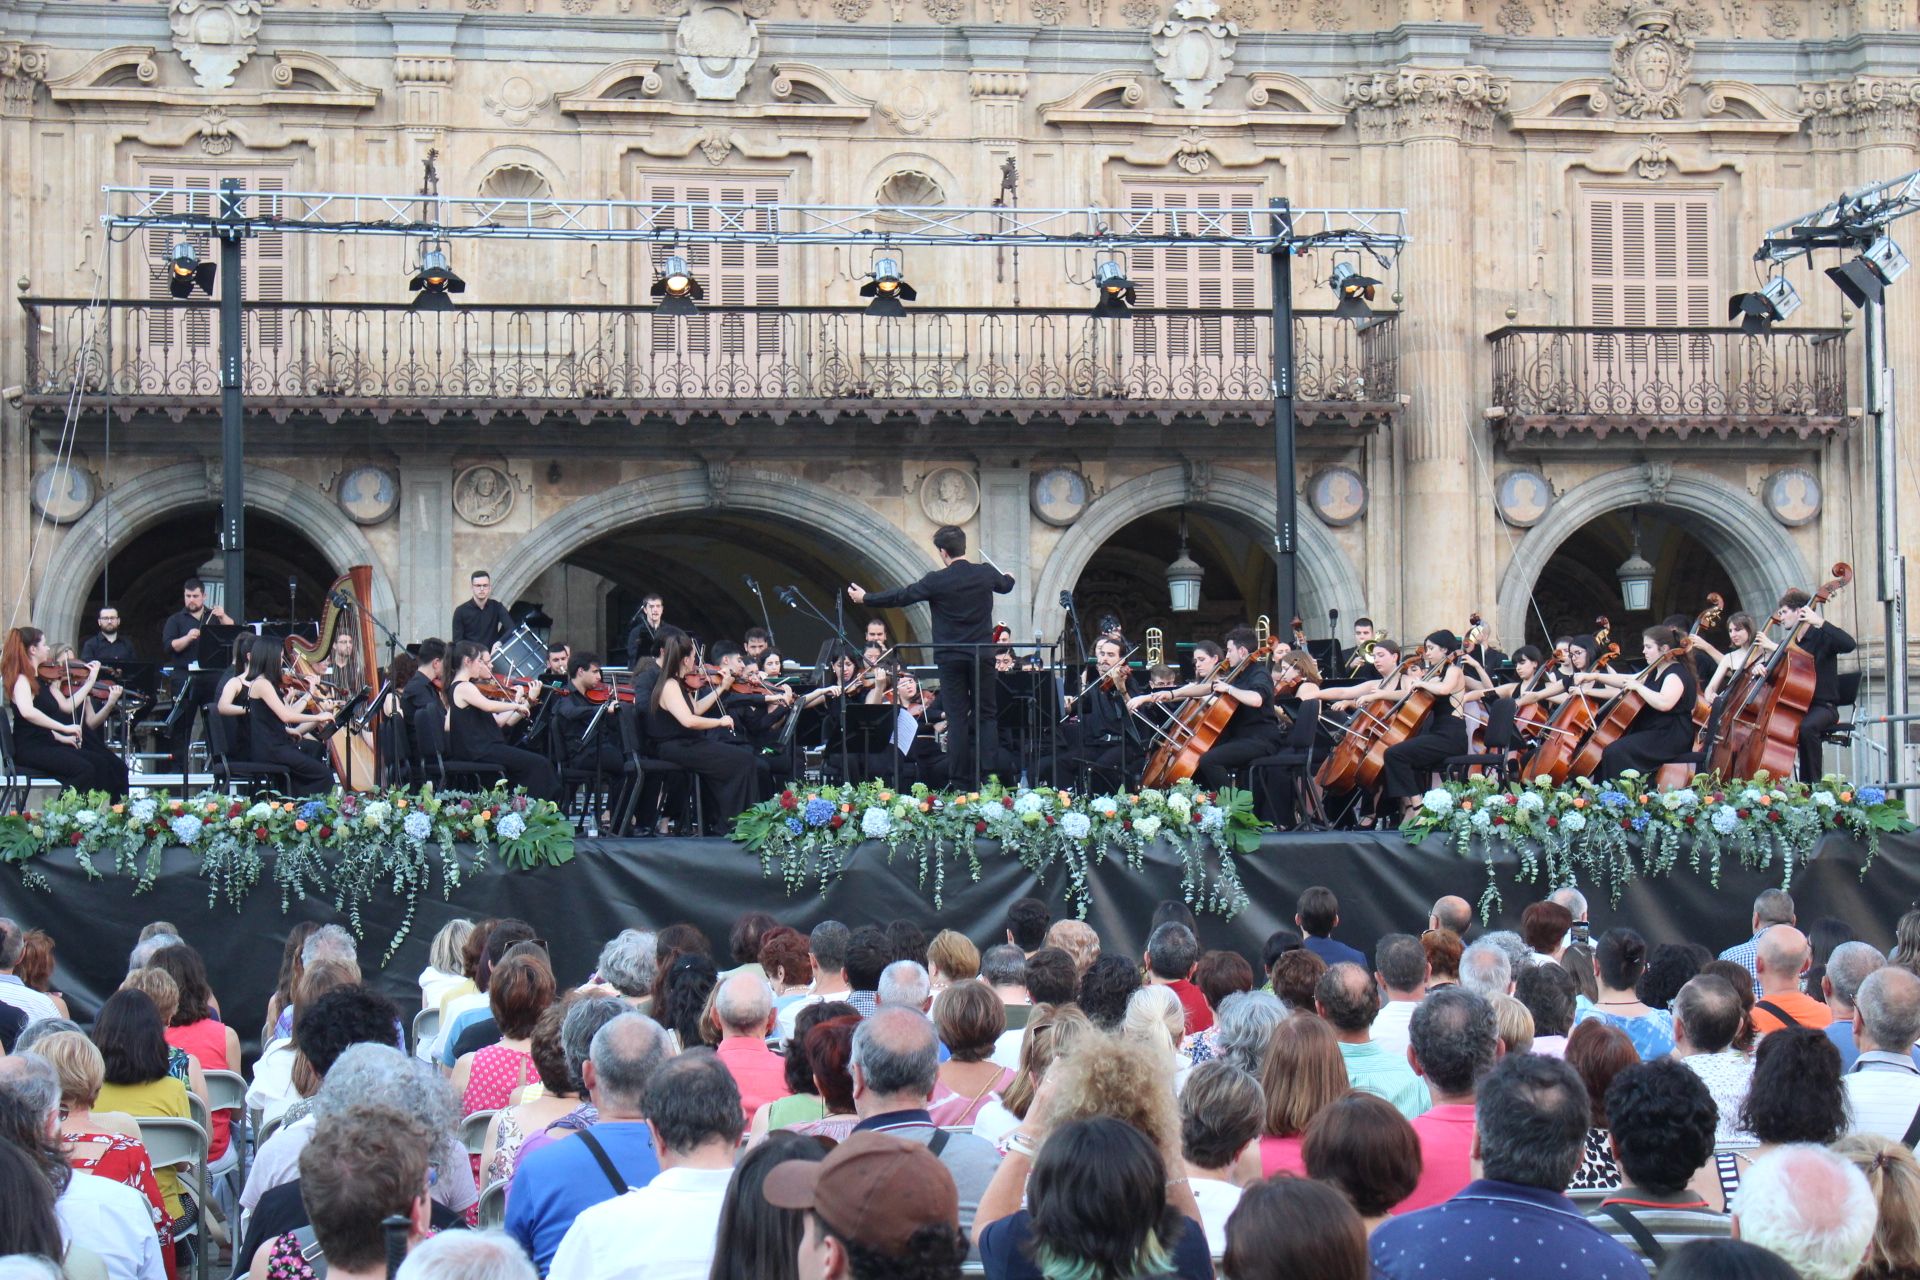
260 812
875 822
1075 825
1148 827
1574 821
85 818
1531 801
143 809
1179 805
1825 800
1105 806
1029 802
1438 800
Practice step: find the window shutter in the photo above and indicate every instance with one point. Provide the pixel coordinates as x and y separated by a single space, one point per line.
732 275
1649 262
265 258
1200 276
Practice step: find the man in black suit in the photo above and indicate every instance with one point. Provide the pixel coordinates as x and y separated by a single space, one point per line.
961 595
483 620
643 640
179 642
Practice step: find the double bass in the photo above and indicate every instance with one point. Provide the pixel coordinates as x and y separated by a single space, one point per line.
1196 727
1568 728
1354 763
1616 718
1759 721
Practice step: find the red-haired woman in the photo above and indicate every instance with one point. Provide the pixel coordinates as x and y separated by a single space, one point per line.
47 737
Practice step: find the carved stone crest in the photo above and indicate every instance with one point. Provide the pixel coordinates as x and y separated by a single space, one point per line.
214 37
717 47
482 495
1651 66
1194 51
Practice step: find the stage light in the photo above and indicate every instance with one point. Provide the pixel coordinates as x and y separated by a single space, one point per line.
1886 258
1115 291
887 288
185 271
1859 282
676 288
1353 290
1759 311
434 281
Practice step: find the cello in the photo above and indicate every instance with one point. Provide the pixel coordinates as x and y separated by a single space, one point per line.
1341 771
1408 717
1615 719
1759 727
1196 727
1553 758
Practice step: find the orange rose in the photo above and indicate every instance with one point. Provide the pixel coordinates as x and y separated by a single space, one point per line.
1579 802
299 824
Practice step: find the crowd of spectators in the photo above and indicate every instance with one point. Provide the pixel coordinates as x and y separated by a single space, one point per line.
866 1101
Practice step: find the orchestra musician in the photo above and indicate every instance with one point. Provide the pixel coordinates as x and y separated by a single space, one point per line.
877 636
578 710
1663 731
230 704
773 666
482 620
421 694
559 665
755 643
643 637
1524 689
179 635
1579 654
925 761
1825 642
757 713
1252 732
342 668
1299 676
94 711
735 778
47 736
1360 657
1108 745
272 721
476 722
107 646
1749 643
1443 734
1003 662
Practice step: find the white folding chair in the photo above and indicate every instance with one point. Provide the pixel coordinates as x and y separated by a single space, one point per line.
426 1027
473 1131
174 1140
493 1204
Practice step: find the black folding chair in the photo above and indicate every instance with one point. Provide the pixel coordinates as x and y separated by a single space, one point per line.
1297 758
431 740
1496 738
226 770
633 747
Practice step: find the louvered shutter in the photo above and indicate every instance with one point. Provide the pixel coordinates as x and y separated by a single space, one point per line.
732 275
1649 262
1199 276
265 258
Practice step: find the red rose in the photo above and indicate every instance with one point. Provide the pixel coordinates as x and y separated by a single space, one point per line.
1626 825
1007 801
1553 822
1194 816
1744 813
326 833
836 822
236 810
259 833
1776 816
787 800
1049 819
980 826
1126 824
74 838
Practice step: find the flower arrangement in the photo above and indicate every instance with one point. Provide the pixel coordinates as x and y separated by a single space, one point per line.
1608 832
808 833
350 846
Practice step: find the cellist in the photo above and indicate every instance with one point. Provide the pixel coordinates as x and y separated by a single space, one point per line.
1252 733
1664 730
1749 644
1444 734
1824 642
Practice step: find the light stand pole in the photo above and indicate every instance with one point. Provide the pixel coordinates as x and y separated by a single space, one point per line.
1893 566
231 230
1286 505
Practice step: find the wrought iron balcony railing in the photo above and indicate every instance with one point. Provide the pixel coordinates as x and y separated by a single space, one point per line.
616 360
1557 379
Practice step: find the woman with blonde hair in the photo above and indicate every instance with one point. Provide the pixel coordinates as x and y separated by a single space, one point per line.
1156 1019
1515 1023
1078 940
1894 1175
951 958
106 1145
1050 1035
1302 1076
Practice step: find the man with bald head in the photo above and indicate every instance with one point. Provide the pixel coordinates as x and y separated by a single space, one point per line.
1781 957
1348 999
1452 913
1770 907
744 1008
1848 967
1883 1087
895 1061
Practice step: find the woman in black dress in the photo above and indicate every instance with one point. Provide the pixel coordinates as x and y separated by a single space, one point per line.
47 737
475 721
734 777
1664 729
273 722
1444 734
231 705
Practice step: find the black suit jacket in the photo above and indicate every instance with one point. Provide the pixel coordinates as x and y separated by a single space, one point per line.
961 596
482 626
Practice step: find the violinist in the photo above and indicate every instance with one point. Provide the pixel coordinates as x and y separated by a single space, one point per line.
755 643
925 761
1108 742
1663 731
583 708
1297 686
423 694
734 778
838 674
231 702
97 708
272 721
476 721
1749 645
773 667
1443 734
46 738
1252 732
757 710
1825 642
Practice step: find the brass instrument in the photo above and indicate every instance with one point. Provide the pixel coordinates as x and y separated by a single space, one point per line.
1262 629
1156 647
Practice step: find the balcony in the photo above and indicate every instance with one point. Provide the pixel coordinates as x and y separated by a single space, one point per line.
616 364
1652 384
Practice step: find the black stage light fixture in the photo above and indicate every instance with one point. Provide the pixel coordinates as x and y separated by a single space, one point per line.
676 288
434 281
887 288
1116 292
1767 306
185 271
1353 290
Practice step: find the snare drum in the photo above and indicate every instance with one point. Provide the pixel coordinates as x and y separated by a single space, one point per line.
522 654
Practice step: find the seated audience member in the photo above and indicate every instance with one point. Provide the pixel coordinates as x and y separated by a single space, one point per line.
519 992
1105 989
292 968
970 1020
196 1030
446 970
1220 976
1670 966
877 1208
1548 992
684 1001
1302 1076
1742 983
35 968
14 990
1349 1000
951 958
1221 1111
805 1103
467 1255
1847 968
904 984
1444 949
1318 915
363 1166
274 1090
1004 969
1097 1204
627 966
1365 1148
102 1217
1808 1205
1883 1086
1796 1097
133 1051
481 1028
1154 1019
579 1023
1401 967
1485 969
869 952
1578 961
1516 1222
1050 1034
1661 1121
1455 1041
1724 1260
783 958
743 943
1544 928
327 942
1707 1015
827 958
558 1096
1288 1227
1894 1176
1598 1053
556 1182
1078 939
1513 1023
828 1053
31 1244
757 1239
1295 977
667 1229
743 1006
1771 907
1781 959
106 1146
1452 913
1027 923
1619 959
1172 955
1049 978
1117 1078
496 938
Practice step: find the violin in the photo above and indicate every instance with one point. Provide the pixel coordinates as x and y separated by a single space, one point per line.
502 688
67 676
1299 632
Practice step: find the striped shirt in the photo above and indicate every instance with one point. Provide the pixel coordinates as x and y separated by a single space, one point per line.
1883 1094
1671 1220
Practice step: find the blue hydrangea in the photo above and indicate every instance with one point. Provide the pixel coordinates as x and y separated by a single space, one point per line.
1574 821
1613 799
419 826
313 809
1724 820
796 826
1639 822
1075 825
142 810
875 822
510 827
1482 819
819 812
185 828
1871 795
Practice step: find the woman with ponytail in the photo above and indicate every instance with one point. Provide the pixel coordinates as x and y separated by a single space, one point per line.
1663 731
47 736
1444 734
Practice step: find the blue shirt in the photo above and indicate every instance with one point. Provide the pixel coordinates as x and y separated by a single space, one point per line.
1745 954
563 1178
1003 1251
1500 1231
1650 1032
1335 952
1841 1033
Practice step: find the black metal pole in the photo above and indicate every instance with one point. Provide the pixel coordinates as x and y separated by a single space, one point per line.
233 490
1285 505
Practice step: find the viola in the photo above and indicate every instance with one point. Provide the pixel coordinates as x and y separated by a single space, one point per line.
1759 719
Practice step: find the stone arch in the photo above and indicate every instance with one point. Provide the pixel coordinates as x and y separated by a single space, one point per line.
1758 554
872 543
1328 579
144 500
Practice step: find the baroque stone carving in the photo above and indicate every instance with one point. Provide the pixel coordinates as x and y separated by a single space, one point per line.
1329 15
1139 13
1424 102
1782 21
1863 110
214 37
1603 16
942 11
1194 51
216 132
912 112
517 100
482 495
1651 66
23 69
717 47
852 10
1654 159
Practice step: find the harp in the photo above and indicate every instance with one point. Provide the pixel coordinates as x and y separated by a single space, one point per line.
353 754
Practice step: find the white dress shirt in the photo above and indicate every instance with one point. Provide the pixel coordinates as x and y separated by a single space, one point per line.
1393 1027
666 1230
24 998
114 1222
1883 1094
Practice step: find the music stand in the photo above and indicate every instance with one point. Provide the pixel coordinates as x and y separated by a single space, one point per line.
869 728
214 649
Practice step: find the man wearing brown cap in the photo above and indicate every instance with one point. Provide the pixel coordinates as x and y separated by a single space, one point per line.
878 1208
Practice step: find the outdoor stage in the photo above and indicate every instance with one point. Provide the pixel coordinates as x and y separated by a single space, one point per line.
1384 884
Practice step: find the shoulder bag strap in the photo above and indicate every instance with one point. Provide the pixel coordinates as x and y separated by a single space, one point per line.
1912 1135
938 1142
1777 1012
614 1177
1638 1230
310 1252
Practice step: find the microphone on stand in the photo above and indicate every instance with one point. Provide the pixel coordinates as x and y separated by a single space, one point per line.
751 584
340 600
787 595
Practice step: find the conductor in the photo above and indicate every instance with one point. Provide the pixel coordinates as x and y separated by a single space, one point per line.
961 595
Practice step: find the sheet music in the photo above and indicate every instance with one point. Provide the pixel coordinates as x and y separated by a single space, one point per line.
905 728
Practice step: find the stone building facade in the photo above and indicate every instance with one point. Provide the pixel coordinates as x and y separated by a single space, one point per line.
1551 376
